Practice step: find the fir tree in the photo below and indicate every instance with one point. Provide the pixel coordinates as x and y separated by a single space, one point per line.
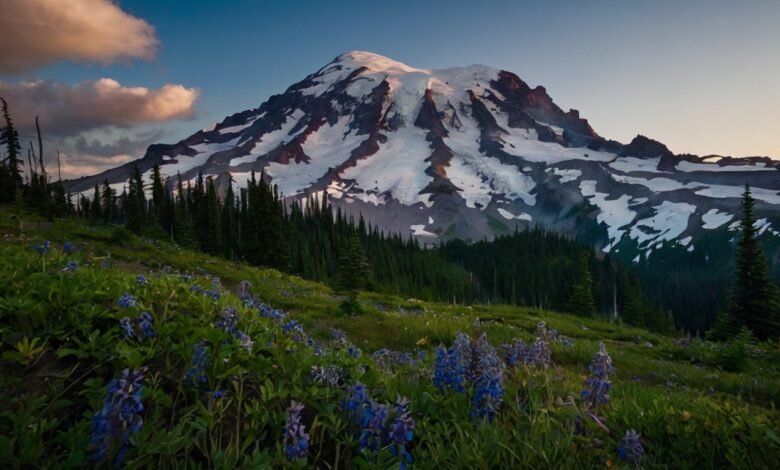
581 301
754 302
212 232
96 211
133 209
13 160
108 203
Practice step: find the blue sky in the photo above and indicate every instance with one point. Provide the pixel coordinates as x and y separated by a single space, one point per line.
701 76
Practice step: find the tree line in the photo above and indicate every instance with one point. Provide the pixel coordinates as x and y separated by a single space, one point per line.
315 240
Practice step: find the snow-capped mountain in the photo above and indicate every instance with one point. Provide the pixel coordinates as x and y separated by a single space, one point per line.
465 152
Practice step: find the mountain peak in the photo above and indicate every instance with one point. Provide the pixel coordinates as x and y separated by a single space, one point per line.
373 62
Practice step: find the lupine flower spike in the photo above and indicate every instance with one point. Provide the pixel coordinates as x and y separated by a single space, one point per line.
296 440
630 448
120 417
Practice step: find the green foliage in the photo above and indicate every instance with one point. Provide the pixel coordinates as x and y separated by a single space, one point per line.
61 344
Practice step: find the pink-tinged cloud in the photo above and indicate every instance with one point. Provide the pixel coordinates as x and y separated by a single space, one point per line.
69 109
38 32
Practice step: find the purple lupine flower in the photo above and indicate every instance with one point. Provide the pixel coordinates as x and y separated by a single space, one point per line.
488 378
296 440
70 267
401 431
243 289
357 397
630 448
266 311
353 351
540 353
598 383
373 422
217 394
128 330
120 417
516 353
327 375
69 248
196 374
127 300
43 248
141 280
228 318
146 324
295 330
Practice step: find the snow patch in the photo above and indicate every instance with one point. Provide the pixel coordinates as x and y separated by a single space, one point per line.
713 219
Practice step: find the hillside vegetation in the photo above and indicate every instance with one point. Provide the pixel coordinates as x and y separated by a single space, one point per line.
120 350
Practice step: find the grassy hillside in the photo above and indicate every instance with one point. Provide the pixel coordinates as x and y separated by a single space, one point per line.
221 361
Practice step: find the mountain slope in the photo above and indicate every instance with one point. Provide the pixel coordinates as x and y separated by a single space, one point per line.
465 152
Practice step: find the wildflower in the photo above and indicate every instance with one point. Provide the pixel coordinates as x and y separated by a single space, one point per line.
141 280
598 383
70 267
516 353
357 397
630 448
488 380
267 312
228 318
296 440
373 421
353 351
146 324
128 330
120 416
69 248
540 353
127 300
338 337
328 375
200 360
401 431
217 394
43 248
452 365
243 289
295 330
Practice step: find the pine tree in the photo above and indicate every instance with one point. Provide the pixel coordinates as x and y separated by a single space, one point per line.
183 227
212 232
754 302
158 196
352 266
108 203
14 161
96 211
581 300
134 209
633 311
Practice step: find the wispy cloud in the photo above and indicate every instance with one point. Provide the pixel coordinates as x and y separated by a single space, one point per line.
38 32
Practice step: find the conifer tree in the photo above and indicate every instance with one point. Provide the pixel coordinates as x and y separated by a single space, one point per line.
183 229
212 232
581 300
754 301
158 197
108 203
133 208
13 160
95 210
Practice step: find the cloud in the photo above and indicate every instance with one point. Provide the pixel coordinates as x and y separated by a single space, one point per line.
38 32
69 109
125 145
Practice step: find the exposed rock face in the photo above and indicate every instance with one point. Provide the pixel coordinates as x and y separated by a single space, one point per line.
467 152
